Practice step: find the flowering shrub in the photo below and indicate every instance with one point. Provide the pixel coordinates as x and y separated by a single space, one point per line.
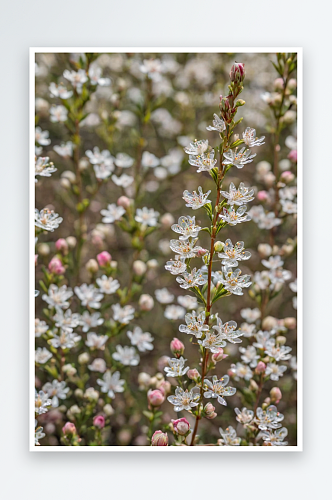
155 325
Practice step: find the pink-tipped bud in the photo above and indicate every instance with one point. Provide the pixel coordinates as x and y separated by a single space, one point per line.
69 428
260 368
218 356
193 374
290 323
61 245
55 266
159 438
275 395
177 347
287 176
99 421
209 411
104 258
279 84
201 252
156 397
164 386
262 195
293 155
124 202
237 73
181 426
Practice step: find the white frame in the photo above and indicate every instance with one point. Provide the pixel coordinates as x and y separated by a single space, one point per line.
168 449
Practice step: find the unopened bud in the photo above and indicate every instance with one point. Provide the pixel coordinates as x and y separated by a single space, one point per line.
104 258
177 347
71 240
218 356
193 374
146 302
287 176
218 246
69 428
159 438
155 398
237 73
139 267
181 426
209 411
260 368
61 245
124 202
275 395
290 323
99 421
92 266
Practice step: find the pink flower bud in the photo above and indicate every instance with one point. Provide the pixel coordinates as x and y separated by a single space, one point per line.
164 386
177 347
219 356
159 438
275 394
262 195
104 258
237 73
99 421
287 176
201 252
193 374
279 84
181 426
261 367
156 397
293 155
124 202
209 411
61 245
290 323
69 428
55 266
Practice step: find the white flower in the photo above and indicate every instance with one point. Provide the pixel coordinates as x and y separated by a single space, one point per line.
192 279
42 137
89 295
264 220
95 77
217 389
66 321
238 158
58 114
233 281
275 371
213 341
241 371
288 206
42 355
275 438
229 437
194 200
177 266
65 340
164 296
126 355
176 367
152 68
187 227
232 254
95 341
58 297
59 91
186 249
142 340
123 181
42 402
205 162
218 124
107 285
250 315
39 434
47 219
98 365
293 286
250 139
244 416
65 149
40 327
233 217
228 331
123 314
98 157
249 355
195 324
56 390
149 160
122 160
239 196
76 78
174 312
184 400
279 353
103 170
269 418
247 330
88 321
188 302
112 213
111 383
147 216
197 148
